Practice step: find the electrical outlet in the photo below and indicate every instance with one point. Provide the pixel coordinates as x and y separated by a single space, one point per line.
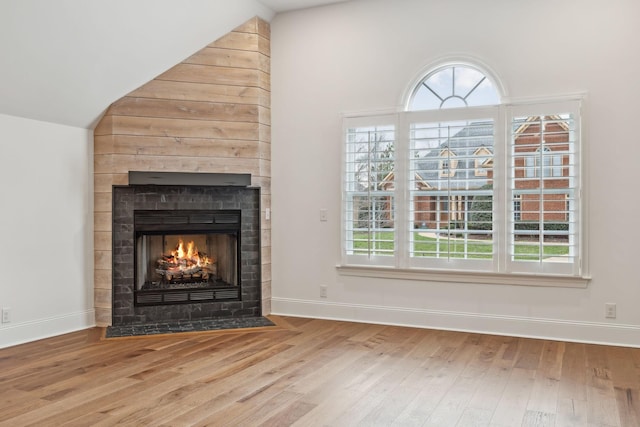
323 291
323 214
610 310
6 315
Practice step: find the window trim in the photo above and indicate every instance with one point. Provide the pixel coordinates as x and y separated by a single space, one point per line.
400 268
464 276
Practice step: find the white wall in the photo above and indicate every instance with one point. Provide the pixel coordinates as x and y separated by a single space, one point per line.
65 62
362 55
46 224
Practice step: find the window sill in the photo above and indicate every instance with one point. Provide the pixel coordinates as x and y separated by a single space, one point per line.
479 277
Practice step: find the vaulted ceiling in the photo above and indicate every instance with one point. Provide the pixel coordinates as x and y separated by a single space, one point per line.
66 61
287 5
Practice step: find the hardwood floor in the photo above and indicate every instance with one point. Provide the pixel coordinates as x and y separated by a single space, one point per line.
308 372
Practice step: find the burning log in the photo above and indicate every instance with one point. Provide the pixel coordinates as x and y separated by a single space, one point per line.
186 265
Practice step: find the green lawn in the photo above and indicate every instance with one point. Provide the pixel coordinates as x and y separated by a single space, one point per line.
382 244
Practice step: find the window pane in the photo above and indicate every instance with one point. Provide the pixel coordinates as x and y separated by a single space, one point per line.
466 81
543 180
373 226
369 184
451 204
484 94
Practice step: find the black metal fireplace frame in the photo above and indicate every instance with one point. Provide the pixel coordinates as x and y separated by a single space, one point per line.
178 221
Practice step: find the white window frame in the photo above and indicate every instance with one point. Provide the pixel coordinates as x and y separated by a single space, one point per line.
442 116
348 257
576 248
502 271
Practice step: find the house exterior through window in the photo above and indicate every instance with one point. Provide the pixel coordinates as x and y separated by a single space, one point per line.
461 182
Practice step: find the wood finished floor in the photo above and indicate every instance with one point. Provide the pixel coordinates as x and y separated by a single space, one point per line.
307 372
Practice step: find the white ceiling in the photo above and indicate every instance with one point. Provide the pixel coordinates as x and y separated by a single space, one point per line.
66 61
288 5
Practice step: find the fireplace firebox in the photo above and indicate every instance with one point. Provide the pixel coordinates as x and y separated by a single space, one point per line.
184 256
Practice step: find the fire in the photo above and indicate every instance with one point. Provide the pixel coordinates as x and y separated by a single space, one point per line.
186 258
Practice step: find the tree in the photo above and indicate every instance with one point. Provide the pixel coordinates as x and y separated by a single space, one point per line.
374 163
481 215
374 160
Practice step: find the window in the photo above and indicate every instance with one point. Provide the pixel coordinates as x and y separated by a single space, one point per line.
551 163
517 207
369 190
546 229
482 157
453 86
448 163
461 183
455 231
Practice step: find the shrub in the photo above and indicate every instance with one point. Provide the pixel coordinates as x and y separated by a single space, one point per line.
535 226
481 216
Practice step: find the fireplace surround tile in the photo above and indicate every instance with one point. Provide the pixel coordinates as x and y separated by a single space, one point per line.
128 199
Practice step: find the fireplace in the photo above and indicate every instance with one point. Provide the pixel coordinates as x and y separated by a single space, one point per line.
183 256
185 251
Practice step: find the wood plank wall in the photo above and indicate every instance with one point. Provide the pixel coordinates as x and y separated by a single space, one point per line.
210 113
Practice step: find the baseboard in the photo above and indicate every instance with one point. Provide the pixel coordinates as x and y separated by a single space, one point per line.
559 330
20 333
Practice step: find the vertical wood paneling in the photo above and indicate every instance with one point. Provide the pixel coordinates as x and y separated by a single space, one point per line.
210 113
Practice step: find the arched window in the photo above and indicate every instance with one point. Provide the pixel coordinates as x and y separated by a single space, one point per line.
459 195
453 86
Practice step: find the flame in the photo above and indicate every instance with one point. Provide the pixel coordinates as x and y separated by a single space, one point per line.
184 259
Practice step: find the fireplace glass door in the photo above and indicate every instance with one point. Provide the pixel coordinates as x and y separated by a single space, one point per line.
167 261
